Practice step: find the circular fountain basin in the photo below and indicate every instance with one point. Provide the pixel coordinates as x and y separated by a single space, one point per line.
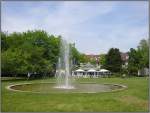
78 88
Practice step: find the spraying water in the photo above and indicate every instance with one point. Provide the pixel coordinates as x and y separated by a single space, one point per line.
63 73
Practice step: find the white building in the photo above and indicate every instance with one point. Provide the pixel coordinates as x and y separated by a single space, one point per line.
91 73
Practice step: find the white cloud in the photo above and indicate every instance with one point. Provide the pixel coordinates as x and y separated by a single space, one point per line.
72 20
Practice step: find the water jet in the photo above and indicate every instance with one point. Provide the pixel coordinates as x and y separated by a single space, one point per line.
63 71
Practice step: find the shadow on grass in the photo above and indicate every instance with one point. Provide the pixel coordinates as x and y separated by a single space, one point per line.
17 79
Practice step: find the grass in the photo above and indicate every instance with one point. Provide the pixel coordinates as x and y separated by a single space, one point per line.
134 98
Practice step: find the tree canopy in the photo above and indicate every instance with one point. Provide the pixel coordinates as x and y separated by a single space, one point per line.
102 60
37 51
113 60
143 50
31 51
139 57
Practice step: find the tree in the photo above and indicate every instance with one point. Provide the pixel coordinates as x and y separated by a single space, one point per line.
113 60
75 55
102 60
134 61
31 51
4 45
139 58
143 50
93 61
83 58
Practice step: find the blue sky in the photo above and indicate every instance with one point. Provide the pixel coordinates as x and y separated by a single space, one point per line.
94 26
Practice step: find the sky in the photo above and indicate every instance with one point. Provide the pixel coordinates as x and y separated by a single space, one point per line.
94 26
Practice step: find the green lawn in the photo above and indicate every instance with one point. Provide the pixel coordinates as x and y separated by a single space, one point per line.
134 98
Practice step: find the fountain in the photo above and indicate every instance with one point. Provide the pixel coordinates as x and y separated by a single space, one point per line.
64 82
63 73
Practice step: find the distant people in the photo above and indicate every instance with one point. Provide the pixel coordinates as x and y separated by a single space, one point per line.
29 75
124 75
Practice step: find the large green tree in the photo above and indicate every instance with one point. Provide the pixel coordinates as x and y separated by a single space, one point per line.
134 61
113 60
143 50
31 51
139 58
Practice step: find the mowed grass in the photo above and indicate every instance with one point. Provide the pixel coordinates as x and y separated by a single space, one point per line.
134 98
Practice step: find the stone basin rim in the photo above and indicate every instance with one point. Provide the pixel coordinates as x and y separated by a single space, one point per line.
115 90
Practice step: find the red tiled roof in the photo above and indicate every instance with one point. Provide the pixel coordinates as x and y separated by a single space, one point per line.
124 56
